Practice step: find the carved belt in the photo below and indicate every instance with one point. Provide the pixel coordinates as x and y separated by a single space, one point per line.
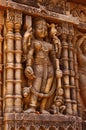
42 61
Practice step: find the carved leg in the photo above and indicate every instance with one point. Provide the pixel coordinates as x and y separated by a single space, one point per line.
47 89
33 100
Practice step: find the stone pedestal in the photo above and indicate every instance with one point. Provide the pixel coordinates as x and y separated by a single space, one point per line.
40 121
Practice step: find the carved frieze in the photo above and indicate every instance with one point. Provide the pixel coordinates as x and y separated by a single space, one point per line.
78 10
52 5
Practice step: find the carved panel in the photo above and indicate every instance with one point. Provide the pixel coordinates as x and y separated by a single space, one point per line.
44 65
53 5
78 10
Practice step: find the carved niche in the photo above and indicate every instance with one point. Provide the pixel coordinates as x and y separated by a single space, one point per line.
41 72
41 65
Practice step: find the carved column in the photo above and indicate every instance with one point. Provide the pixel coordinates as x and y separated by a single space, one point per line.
72 75
9 62
18 65
1 56
65 68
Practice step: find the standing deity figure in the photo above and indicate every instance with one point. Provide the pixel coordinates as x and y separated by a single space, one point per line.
81 54
40 64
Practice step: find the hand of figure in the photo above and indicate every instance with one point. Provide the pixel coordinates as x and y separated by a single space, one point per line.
58 73
28 33
29 72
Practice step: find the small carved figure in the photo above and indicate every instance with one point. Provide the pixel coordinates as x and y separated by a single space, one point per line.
41 6
39 2
58 106
81 54
49 4
26 97
41 72
56 5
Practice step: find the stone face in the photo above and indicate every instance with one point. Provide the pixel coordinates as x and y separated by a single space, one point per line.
42 65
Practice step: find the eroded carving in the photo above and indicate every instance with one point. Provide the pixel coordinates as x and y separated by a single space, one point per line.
79 11
41 75
53 5
81 54
49 81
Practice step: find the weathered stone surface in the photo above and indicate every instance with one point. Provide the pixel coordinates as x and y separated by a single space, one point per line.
42 65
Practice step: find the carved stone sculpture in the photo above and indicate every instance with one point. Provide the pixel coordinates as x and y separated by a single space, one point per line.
81 53
42 71
42 65
58 107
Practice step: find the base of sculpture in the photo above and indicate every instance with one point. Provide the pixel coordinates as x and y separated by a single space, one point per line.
17 121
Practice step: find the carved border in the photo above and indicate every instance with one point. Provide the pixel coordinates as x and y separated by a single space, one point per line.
37 12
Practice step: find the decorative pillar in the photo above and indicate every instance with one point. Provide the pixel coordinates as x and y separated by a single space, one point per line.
9 62
65 69
18 65
72 75
1 57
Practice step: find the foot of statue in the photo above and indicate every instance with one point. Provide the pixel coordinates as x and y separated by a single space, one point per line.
30 110
44 112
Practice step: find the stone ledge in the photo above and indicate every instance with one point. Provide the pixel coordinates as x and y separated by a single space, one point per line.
37 12
43 117
27 120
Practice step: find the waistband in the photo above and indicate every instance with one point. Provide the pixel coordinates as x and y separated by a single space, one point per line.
42 61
